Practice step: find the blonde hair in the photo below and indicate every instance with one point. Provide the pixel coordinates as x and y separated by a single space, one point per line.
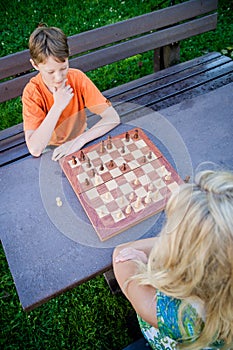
48 41
193 258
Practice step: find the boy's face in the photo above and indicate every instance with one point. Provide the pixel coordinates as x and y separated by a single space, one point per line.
53 72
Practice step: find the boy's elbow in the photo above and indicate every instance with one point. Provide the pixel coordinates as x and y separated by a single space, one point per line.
35 152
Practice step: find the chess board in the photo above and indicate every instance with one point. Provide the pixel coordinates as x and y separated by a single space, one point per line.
120 181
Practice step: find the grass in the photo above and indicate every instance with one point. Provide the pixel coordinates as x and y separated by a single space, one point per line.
89 316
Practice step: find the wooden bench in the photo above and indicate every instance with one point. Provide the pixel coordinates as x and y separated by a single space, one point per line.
159 31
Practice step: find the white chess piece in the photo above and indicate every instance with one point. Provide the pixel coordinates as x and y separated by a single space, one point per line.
138 202
148 197
131 196
156 194
150 187
119 214
59 201
168 177
128 209
97 180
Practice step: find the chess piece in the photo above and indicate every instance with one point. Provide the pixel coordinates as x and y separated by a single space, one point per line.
127 137
138 202
82 156
92 172
102 148
122 200
97 180
150 187
128 209
164 170
109 142
74 160
87 183
119 214
156 194
88 163
144 159
131 196
111 164
102 167
148 197
123 167
59 201
168 177
136 181
123 149
135 136
150 155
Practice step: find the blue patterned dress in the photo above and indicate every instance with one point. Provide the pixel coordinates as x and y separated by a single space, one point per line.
169 332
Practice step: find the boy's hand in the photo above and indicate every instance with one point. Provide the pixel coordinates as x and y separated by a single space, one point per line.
66 148
62 96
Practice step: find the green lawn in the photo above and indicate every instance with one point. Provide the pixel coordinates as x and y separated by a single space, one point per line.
89 316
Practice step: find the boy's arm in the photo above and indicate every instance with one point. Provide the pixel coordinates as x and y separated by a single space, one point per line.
38 139
142 297
109 120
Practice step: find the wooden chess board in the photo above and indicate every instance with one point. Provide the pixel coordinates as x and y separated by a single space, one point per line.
120 181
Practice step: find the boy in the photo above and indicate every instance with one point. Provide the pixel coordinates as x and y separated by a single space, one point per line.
54 100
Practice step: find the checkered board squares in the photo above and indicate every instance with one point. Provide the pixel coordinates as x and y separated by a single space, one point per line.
121 186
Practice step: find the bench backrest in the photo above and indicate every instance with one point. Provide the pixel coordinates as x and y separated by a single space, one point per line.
111 43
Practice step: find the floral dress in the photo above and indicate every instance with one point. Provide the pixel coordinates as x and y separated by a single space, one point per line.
169 332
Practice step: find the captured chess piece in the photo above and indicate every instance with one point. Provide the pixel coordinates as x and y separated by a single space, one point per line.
58 201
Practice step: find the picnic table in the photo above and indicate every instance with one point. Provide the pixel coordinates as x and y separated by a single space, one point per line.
52 249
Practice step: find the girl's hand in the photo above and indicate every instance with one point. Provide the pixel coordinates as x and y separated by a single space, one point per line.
131 254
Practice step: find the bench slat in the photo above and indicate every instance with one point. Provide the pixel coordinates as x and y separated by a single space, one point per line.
19 62
126 49
135 26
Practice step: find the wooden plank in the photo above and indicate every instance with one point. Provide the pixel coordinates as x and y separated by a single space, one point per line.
12 141
130 48
19 62
9 132
138 25
13 88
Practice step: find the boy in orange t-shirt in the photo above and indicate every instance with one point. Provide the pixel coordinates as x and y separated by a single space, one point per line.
54 100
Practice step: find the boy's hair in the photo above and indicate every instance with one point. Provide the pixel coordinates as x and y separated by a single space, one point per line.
193 257
48 41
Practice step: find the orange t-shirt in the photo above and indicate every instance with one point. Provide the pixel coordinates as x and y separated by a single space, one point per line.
37 101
